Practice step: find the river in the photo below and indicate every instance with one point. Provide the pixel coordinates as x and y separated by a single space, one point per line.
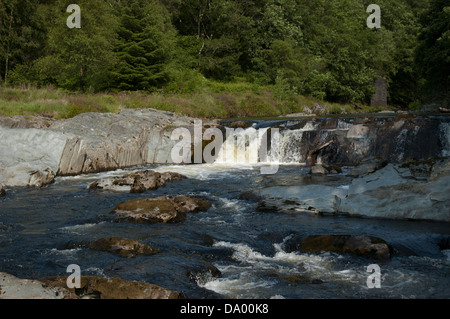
42 231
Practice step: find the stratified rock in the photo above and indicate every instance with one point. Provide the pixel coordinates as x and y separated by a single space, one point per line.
166 209
124 247
366 246
136 182
115 288
29 157
367 166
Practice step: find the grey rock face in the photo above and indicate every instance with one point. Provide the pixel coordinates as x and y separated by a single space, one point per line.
32 154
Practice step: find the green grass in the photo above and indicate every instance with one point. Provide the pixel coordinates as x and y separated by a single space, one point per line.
215 100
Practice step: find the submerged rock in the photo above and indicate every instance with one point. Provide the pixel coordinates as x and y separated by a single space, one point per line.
124 247
114 288
166 209
366 246
136 182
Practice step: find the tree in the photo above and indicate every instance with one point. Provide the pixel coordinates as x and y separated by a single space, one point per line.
22 35
146 45
79 59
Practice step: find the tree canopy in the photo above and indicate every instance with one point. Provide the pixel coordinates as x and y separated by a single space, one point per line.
317 48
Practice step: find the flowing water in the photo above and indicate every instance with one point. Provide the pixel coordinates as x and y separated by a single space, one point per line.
42 231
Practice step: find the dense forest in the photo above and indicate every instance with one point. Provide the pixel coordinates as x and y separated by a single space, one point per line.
318 48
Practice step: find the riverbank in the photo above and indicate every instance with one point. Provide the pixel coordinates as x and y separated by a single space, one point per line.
214 101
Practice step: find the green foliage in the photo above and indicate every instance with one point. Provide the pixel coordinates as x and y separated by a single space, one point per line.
433 53
322 49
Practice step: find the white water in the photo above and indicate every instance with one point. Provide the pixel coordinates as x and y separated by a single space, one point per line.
247 146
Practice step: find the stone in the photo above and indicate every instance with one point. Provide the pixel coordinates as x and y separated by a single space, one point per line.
318 169
249 196
29 157
361 245
114 288
136 182
124 247
367 166
358 131
166 209
12 287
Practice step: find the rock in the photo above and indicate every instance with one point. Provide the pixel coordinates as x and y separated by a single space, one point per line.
29 157
12 287
318 170
106 141
240 124
87 143
358 131
366 246
115 288
136 182
2 190
39 178
249 196
203 274
367 166
168 209
124 247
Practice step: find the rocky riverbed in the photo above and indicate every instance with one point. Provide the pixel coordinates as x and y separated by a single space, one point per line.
384 168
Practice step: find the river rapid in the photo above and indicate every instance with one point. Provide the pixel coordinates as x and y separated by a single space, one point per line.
42 231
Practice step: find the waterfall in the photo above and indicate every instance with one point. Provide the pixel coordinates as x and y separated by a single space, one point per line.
247 146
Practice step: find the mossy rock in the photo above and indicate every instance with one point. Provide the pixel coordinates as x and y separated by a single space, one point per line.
166 209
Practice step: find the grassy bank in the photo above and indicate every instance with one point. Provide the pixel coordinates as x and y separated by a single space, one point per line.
218 101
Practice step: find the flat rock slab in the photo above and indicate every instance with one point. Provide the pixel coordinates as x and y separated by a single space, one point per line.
114 288
366 246
12 287
136 182
124 247
165 209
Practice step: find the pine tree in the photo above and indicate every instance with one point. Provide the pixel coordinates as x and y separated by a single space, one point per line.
146 45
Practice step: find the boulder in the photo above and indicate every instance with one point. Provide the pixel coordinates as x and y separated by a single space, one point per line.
366 246
136 182
367 166
29 157
114 288
12 287
124 247
166 209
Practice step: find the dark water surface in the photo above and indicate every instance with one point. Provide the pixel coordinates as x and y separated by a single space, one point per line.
42 231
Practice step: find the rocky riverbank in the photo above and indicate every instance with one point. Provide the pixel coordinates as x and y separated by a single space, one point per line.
35 151
416 191
91 287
